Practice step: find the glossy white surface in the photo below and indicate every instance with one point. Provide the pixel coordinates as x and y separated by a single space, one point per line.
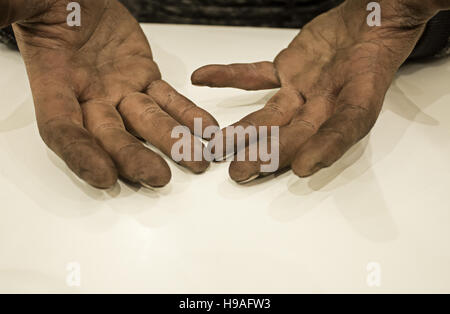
387 201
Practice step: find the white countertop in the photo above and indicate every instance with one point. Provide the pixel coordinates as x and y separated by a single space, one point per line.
386 202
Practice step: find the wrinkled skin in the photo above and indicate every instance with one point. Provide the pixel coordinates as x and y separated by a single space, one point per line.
333 78
96 85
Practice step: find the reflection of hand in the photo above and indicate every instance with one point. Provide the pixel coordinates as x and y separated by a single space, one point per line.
333 79
89 82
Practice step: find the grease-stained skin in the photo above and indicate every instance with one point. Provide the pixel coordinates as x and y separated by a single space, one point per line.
97 88
96 84
333 78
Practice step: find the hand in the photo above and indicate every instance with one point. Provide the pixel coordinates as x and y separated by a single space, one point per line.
93 85
333 79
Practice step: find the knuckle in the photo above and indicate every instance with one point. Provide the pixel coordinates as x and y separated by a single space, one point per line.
151 112
307 124
275 109
107 126
157 85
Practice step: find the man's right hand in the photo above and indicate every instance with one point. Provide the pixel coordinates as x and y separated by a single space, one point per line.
94 85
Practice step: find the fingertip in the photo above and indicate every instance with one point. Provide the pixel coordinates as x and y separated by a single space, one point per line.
244 171
305 166
199 76
211 123
303 172
158 179
164 177
198 167
92 165
197 163
104 178
213 75
150 169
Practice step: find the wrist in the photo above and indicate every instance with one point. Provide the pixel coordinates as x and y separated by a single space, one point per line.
421 8
12 11
394 14
441 4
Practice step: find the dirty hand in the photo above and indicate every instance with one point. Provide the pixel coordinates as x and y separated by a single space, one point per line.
333 78
96 89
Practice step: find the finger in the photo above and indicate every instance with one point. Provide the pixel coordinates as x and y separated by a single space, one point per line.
279 150
143 115
134 161
279 111
347 127
60 124
180 108
252 76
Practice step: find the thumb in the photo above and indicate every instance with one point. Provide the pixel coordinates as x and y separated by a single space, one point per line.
252 76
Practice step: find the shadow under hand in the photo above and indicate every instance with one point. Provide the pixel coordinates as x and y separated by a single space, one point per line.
246 100
366 211
232 190
403 106
362 205
21 117
309 193
424 83
91 192
332 178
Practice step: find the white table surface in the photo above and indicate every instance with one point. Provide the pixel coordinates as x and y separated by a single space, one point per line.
386 202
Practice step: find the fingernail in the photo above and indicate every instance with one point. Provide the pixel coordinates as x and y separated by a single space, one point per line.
222 158
151 187
252 178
